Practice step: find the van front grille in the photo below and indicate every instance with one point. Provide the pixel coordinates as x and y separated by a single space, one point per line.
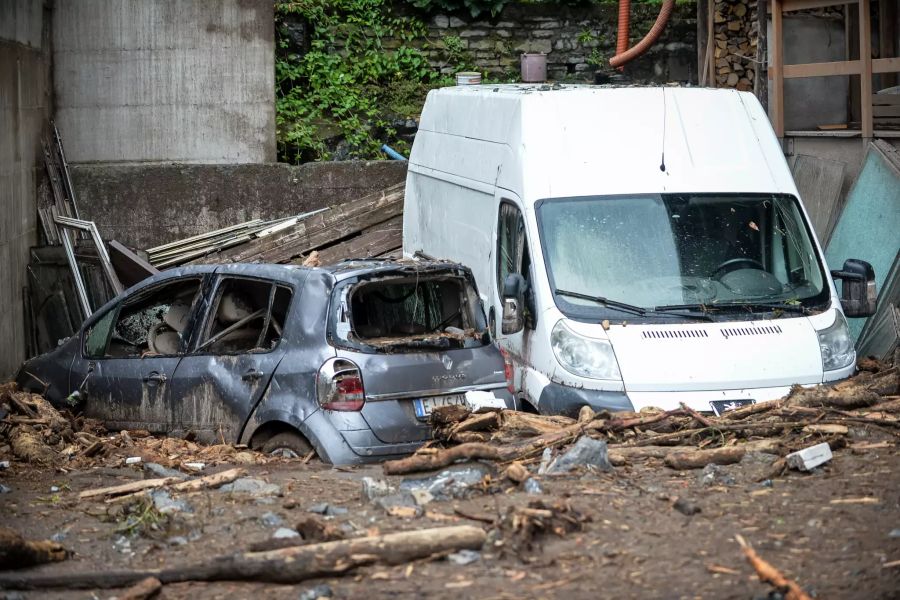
669 334
739 331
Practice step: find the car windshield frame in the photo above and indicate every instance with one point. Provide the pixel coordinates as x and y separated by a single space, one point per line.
728 310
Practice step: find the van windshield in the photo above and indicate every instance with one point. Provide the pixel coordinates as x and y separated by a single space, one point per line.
679 252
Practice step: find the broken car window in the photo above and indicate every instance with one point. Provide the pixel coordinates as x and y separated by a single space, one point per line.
248 316
418 311
152 323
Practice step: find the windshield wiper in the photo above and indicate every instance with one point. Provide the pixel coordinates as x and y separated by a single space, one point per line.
763 306
637 310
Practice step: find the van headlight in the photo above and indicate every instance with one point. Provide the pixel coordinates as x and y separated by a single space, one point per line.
583 356
836 345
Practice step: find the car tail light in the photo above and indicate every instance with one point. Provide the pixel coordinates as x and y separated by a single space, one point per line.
508 371
339 386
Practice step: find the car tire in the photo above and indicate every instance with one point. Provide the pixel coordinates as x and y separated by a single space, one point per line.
287 440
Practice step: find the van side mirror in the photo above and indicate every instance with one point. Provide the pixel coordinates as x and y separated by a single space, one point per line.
513 320
858 293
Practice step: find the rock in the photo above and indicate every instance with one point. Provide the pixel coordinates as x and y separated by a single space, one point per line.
4 464
323 508
685 507
157 470
322 590
270 519
133 460
178 540
393 501
895 533
165 504
251 485
4 489
714 474
532 486
313 528
453 482
244 458
546 458
422 497
285 533
464 557
587 452
375 488
58 537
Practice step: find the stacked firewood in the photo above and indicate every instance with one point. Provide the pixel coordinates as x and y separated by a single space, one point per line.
736 36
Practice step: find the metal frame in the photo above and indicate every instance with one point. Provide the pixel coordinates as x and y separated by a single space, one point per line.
90 228
865 66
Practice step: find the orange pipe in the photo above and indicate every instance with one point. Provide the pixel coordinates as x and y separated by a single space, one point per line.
621 58
624 26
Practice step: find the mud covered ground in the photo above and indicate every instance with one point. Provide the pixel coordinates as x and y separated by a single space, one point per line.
836 531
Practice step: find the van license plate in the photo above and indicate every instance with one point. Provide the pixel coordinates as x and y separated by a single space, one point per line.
723 406
424 406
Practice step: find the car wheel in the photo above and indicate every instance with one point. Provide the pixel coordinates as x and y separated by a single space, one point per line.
287 444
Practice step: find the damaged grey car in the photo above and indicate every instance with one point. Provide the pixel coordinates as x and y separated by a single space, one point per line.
347 360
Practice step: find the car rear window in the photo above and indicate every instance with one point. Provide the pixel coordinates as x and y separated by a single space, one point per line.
409 313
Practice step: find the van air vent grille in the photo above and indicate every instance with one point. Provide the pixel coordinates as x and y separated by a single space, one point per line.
664 334
737 331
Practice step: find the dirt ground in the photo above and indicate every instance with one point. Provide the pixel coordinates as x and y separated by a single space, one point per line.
836 531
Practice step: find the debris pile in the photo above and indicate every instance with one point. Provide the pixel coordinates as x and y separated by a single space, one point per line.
35 432
683 438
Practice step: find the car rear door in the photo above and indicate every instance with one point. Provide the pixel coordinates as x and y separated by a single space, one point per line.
132 352
236 350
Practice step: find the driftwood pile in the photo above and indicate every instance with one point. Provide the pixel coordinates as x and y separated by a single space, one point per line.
683 438
34 432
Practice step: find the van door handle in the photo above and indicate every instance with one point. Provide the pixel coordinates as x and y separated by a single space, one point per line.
252 375
155 377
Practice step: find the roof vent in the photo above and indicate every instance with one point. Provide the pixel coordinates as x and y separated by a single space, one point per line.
739 331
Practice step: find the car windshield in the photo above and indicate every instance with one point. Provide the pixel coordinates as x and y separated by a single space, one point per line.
679 251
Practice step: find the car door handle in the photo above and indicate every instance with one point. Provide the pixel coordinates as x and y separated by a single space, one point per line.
155 377
252 375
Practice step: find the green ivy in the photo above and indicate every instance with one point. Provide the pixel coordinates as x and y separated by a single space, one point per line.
473 7
342 85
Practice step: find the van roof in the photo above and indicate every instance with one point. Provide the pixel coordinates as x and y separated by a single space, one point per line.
544 141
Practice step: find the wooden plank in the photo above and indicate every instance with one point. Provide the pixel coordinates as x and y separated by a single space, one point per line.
792 5
318 230
888 40
777 68
823 69
886 111
367 245
819 182
886 65
761 77
886 99
865 78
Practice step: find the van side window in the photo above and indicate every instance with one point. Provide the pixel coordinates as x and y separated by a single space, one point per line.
248 316
512 251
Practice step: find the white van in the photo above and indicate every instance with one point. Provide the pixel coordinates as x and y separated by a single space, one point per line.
634 246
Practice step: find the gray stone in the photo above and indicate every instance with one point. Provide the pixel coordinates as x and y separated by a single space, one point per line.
285 533
323 508
895 533
5 489
323 590
456 22
251 485
473 33
271 519
399 500
157 470
586 452
686 507
464 557
441 21
713 474
532 486
4 464
178 540
165 504
58 537
452 482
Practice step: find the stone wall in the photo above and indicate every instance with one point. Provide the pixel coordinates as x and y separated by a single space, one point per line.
576 39
25 96
165 80
148 205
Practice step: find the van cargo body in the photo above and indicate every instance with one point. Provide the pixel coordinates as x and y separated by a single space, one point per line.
650 241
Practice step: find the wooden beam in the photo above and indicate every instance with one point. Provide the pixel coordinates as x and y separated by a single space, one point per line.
776 68
865 78
761 78
792 5
888 37
823 69
886 65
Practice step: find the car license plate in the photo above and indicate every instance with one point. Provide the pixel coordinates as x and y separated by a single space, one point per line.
424 406
723 406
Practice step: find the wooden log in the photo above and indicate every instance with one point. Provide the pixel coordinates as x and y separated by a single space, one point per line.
189 485
142 590
769 574
285 565
127 488
16 552
443 458
697 459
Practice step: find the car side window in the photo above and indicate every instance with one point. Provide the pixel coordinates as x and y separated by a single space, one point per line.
151 323
512 246
247 316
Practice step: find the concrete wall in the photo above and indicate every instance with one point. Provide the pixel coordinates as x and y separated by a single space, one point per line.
148 205
24 109
165 80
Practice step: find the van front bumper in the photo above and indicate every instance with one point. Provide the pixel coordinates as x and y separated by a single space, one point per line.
701 400
559 399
